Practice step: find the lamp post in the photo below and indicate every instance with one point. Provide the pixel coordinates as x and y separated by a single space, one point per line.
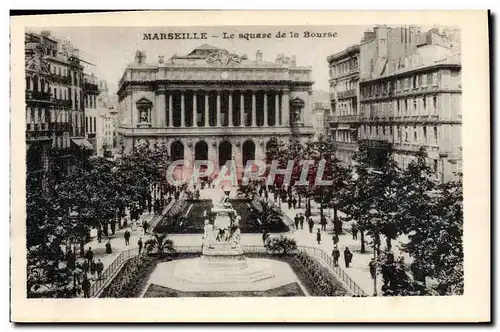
74 218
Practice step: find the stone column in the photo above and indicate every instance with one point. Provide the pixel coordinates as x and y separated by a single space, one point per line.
276 110
254 110
230 109
265 109
195 110
170 109
218 109
285 108
183 117
160 109
206 109
242 109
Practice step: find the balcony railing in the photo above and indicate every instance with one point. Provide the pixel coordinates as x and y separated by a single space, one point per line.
66 80
38 96
343 94
345 118
90 87
68 103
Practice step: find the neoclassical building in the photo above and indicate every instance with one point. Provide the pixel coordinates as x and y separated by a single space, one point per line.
214 105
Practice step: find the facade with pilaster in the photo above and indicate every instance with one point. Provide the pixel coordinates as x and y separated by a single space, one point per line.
410 98
214 105
344 93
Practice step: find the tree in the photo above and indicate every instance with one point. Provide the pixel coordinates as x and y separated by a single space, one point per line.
359 199
160 243
436 242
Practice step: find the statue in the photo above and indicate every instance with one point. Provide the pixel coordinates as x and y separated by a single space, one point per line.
208 233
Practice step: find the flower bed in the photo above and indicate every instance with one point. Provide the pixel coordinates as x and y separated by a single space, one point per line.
317 280
186 217
132 278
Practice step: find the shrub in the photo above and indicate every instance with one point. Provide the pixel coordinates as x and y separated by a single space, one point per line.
322 282
281 245
130 279
159 244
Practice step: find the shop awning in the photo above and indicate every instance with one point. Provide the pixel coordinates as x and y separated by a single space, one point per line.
83 143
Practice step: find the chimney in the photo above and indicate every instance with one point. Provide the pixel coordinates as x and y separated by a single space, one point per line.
161 58
293 61
258 56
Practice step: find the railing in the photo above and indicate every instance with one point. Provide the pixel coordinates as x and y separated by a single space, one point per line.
345 118
110 272
38 95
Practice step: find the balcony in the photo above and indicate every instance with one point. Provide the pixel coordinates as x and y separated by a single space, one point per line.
60 126
38 96
344 94
89 87
349 146
66 103
65 80
354 118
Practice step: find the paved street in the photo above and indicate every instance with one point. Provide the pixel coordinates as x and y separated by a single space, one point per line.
358 270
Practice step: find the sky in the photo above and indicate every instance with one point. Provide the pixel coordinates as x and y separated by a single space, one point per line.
111 49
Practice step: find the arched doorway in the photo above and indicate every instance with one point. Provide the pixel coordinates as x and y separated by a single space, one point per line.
225 153
248 151
201 153
177 150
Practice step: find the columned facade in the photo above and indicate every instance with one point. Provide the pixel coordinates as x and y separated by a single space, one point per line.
227 110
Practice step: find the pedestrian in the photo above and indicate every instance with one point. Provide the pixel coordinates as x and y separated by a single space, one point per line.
108 247
145 226
124 225
289 203
70 259
311 224
139 243
308 212
323 223
113 226
301 221
347 257
127 237
318 236
85 268
86 287
296 220
99 268
336 255
93 269
354 230
335 238
294 202
99 234
89 255
373 268
265 236
77 273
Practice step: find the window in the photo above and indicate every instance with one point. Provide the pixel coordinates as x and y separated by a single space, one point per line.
435 166
435 135
415 106
406 134
406 106
95 124
425 134
425 102
415 135
406 84
435 102
424 80
434 78
398 85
